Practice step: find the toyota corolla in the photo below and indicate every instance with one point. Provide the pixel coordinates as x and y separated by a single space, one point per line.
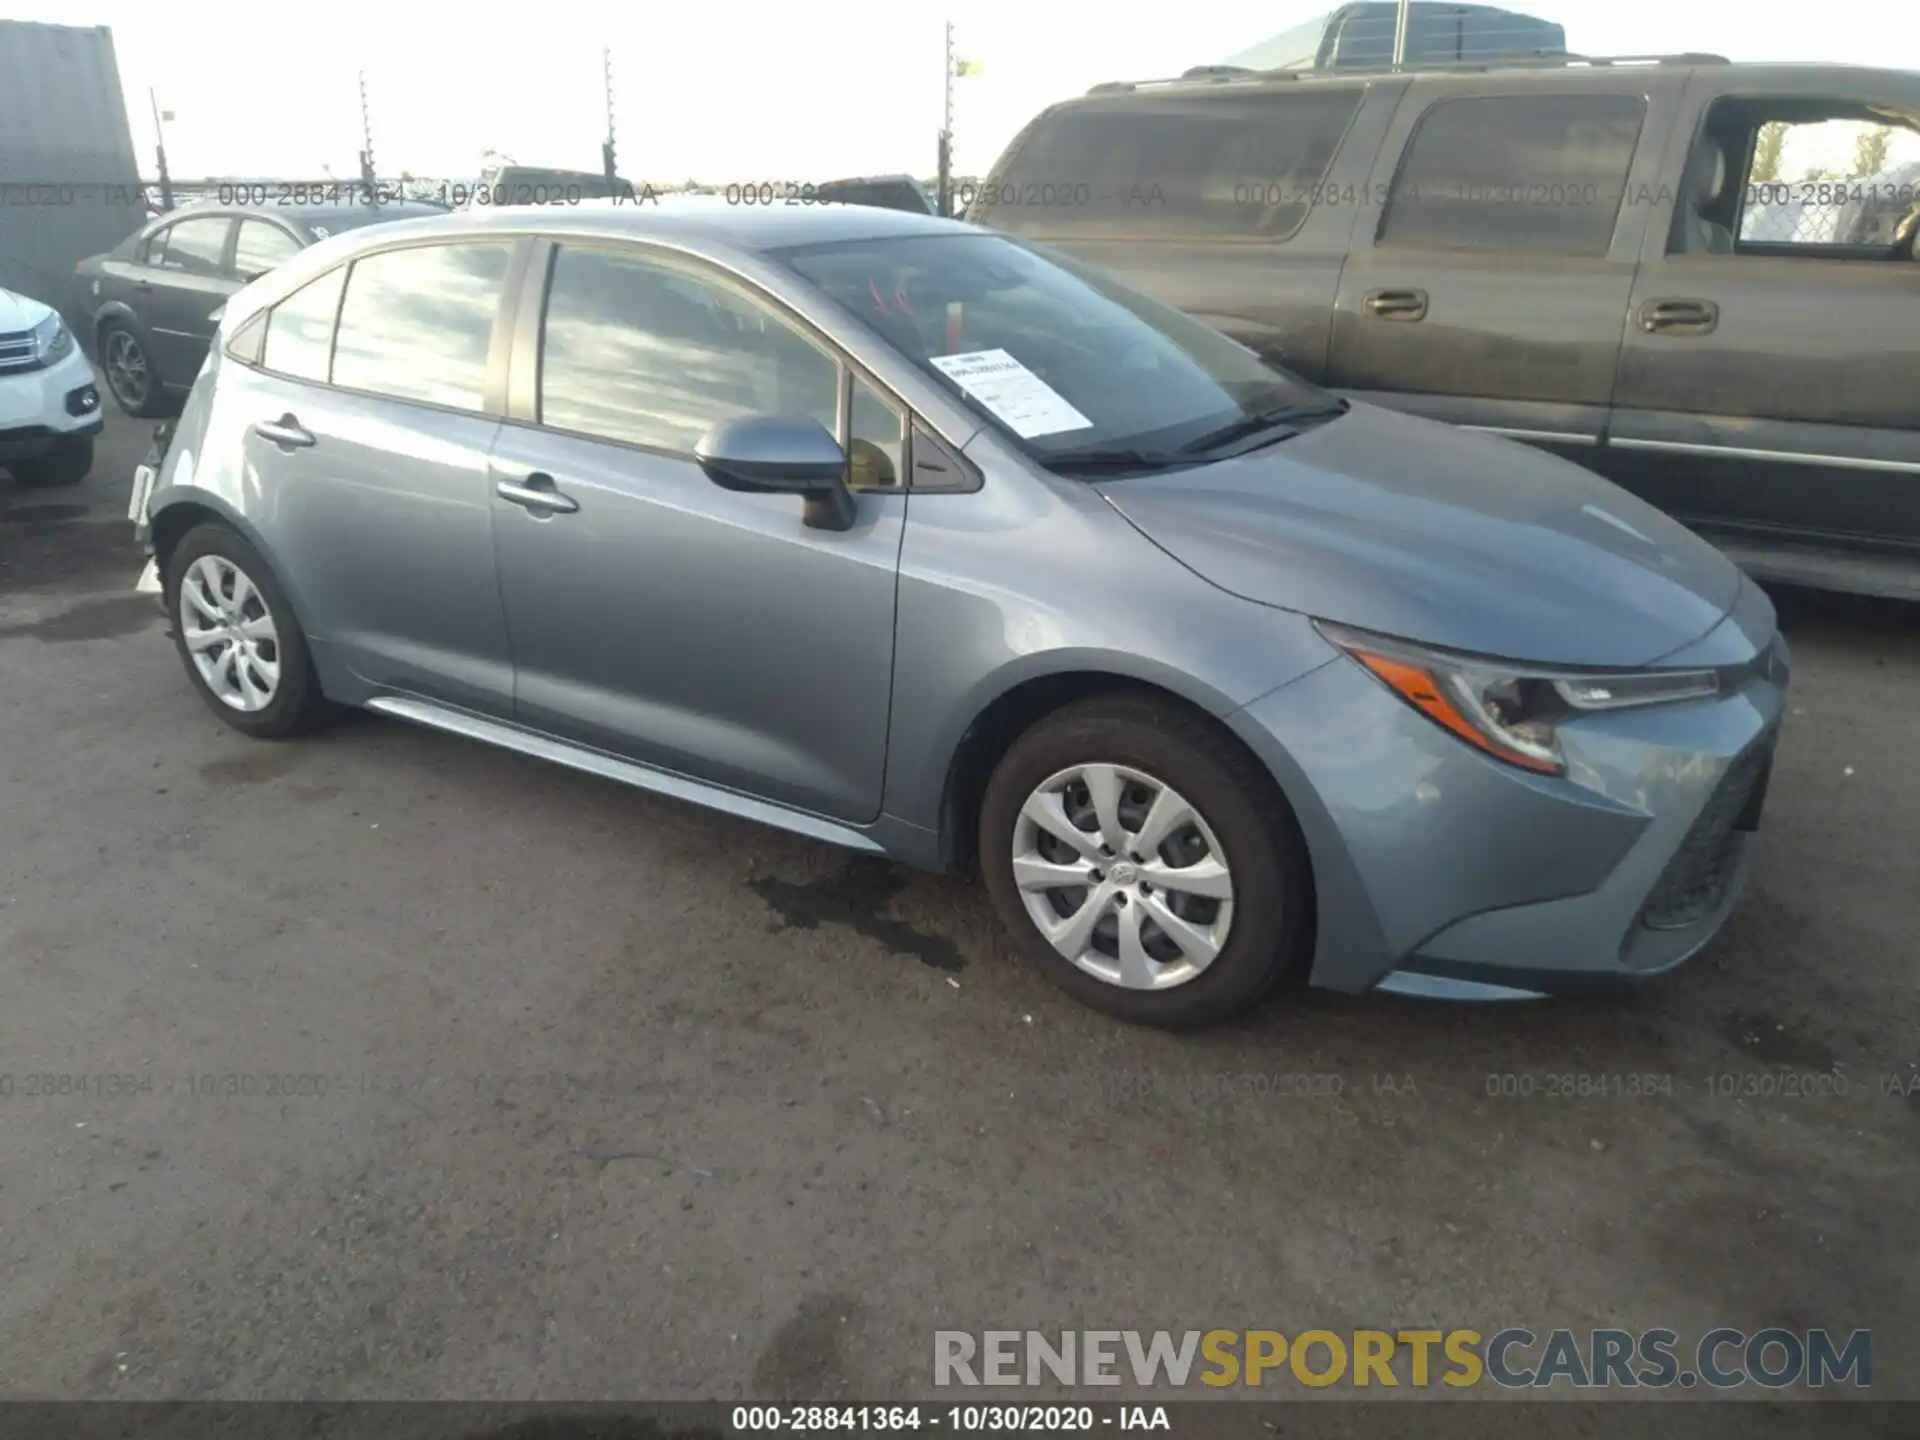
923 541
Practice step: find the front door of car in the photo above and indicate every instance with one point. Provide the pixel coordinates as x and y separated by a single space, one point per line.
654 615
1767 385
187 278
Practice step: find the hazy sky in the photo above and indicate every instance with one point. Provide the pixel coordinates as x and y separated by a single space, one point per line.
729 93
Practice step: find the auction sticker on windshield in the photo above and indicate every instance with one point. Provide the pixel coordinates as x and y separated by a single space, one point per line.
1027 404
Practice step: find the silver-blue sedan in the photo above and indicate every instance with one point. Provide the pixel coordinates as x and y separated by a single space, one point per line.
918 539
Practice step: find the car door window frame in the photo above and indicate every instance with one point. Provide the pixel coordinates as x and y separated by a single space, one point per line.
223 265
1434 102
522 388
233 245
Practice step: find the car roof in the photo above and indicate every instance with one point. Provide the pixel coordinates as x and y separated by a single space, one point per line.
301 212
1572 70
701 218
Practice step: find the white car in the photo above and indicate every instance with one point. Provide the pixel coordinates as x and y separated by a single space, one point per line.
49 402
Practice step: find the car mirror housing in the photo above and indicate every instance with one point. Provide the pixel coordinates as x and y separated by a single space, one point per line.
781 454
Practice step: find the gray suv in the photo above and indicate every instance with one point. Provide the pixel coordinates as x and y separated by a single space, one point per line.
911 537
1620 262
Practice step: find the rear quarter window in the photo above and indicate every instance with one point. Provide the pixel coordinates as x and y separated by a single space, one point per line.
1179 166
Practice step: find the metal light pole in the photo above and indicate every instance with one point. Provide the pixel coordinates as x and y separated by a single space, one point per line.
367 173
608 161
1400 33
160 153
945 184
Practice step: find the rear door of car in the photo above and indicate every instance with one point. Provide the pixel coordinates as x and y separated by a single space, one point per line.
368 415
1768 384
1233 201
187 278
1489 277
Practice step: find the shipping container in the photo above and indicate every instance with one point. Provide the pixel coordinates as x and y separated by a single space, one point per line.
69 182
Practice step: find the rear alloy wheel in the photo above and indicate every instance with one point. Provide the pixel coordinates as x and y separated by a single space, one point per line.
1145 862
130 376
237 635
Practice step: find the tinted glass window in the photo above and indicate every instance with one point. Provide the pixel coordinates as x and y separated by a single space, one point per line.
1062 357
416 323
875 432
1179 166
639 352
259 247
1522 172
192 246
300 329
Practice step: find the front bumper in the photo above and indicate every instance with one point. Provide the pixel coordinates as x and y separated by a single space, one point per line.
41 409
1441 872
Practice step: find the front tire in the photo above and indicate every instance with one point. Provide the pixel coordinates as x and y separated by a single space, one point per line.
1145 863
67 464
237 636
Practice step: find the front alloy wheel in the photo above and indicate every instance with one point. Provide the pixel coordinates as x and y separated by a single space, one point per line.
1123 876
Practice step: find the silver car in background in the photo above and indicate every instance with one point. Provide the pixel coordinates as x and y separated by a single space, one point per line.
923 541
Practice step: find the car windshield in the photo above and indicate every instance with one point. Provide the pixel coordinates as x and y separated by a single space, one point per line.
1083 373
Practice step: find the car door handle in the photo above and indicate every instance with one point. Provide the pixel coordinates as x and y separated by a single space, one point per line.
1403 305
286 432
1687 317
536 493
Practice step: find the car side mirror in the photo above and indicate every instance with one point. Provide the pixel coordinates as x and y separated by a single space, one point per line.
781 455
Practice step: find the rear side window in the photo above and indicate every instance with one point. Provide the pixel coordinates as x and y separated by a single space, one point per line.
1175 167
416 323
1541 173
300 329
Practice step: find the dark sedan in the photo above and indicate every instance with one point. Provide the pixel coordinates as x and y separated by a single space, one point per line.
152 298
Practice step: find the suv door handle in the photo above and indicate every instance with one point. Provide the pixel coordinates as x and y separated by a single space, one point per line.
1403 305
536 493
1688 317
286 432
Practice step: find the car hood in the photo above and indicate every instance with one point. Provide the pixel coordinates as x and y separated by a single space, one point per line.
19 312
1416 529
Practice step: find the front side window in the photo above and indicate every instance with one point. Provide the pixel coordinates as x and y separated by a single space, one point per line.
1182 166
876 439
194 247
1539 173
259 247
300 329
416 324
1822 174
647 353
1066 360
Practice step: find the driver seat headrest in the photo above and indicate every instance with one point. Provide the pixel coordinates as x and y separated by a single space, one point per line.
1709 179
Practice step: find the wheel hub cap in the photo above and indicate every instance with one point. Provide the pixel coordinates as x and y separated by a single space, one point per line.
1123 876
229 633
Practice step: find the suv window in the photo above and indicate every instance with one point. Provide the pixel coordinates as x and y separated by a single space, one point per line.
650 354
299 339
1819 174
1179 166
1542 173
192 246
416 324
259 247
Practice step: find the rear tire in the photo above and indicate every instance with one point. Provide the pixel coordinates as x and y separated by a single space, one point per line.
130 374
237 636
1197 921
67 464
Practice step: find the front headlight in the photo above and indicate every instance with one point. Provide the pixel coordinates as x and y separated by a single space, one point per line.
1512 712
52 340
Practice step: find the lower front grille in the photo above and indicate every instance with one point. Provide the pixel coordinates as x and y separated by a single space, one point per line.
1696 879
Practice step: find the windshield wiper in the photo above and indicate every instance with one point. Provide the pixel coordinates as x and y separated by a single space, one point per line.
1119 458
1291 418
